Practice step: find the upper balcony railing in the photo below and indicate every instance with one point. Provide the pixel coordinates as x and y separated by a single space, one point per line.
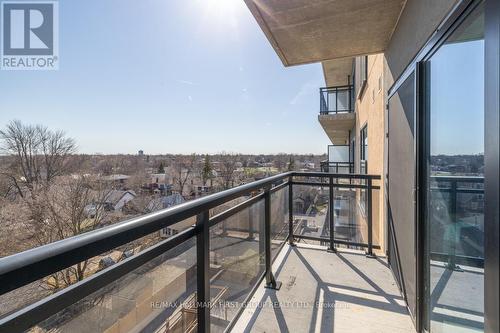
335 100
457 216
184 283
337 167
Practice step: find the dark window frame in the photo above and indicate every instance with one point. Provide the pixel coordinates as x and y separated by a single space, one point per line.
363 75
492 165
363 146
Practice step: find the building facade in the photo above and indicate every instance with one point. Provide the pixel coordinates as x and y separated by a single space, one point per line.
412 95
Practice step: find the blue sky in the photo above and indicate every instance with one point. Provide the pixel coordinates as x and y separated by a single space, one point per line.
176 76
457 99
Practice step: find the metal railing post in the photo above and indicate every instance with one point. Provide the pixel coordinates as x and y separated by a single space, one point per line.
271 282
290 212
203 272
336 100
349 92
321 101
262 237
250 223
370 218
331 218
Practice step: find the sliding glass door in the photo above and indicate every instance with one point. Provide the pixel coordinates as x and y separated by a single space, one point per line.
454 181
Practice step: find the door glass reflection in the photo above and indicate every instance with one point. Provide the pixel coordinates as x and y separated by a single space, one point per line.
455 181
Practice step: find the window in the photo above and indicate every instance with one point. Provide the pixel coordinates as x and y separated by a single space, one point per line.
360 75
363 167
455 221
363 65
353 153
363 149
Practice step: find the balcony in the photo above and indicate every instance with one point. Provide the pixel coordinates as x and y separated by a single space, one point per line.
337 167
337 112
336 100
206 277
354 294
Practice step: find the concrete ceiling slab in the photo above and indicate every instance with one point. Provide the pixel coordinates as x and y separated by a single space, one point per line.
337 71
337 126
307 31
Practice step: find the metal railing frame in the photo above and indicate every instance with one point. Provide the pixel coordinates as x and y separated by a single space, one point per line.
326 108
23 268
451 258
325 166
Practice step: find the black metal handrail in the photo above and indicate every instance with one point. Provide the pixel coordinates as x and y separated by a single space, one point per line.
23 268
330 97
28 266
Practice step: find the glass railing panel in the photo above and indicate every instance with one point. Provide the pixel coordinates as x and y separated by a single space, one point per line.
377 217
42 288
279 219
23 296
441 219
156 297
336 100
310 212
227 205
349 220
343 100
236 262
470 224
457 214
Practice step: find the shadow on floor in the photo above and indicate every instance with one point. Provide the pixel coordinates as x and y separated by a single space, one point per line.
322 318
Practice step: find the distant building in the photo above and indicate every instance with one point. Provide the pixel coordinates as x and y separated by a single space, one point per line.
200 190
309 165
165 202
116 178
140 153
160 183
116 199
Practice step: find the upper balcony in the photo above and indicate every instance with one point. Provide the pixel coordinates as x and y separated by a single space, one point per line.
205 277
337 167
337 114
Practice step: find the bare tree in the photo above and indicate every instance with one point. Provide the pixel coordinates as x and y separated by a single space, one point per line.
207 171
183 167
55 148
57 205
280 161
291 163
73 206
228 166
38 153
105 167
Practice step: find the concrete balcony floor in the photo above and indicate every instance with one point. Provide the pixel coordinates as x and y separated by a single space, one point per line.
355 294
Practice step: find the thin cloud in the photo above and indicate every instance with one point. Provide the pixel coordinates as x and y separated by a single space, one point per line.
189 83
306 88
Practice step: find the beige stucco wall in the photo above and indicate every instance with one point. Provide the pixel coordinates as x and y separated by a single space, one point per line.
370 111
